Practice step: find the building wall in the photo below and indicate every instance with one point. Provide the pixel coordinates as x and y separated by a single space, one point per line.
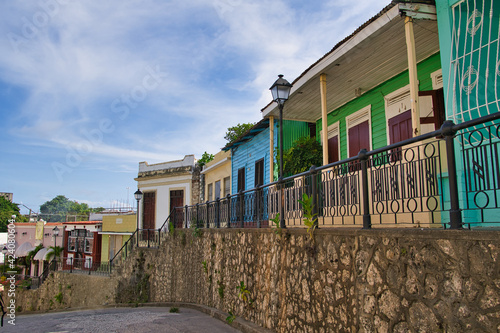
119 223
375 98
162 187
245 156
216 170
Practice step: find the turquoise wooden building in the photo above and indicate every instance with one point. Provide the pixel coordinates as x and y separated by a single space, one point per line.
252 155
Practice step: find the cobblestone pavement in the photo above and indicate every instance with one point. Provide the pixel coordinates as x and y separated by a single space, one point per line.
119 320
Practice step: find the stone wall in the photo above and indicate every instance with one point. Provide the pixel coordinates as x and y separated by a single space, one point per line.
345 281
63 291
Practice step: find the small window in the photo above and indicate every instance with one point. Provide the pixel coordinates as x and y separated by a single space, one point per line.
217 190
89 242
72 244
241 179
227 186
259 173
210 191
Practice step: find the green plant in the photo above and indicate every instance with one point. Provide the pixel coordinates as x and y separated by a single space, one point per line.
205 266
276 222
304 153
59 297
231 317
243 292
310 219
170 227
174 310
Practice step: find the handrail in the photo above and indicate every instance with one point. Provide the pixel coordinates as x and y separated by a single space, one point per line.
166 220
446 134
124 245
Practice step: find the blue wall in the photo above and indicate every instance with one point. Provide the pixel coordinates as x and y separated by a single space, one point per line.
246 155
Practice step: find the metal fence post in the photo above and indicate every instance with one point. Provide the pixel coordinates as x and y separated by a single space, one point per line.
240 198
186 217
217 216
208 215
258 195
228 203
314 190
455 212
71 267
363 159
281 185
197 214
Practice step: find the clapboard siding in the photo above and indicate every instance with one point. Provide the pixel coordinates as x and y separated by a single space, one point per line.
375 98
246 154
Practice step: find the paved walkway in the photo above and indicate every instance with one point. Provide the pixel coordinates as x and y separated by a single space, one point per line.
119 320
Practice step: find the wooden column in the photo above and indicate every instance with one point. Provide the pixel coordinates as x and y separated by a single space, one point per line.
271 149
412 71
324 120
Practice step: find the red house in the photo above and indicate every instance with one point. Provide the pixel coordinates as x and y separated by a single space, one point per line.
82 248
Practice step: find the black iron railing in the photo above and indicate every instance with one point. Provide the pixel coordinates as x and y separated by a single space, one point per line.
449 178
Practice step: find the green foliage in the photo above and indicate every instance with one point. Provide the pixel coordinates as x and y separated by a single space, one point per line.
276 222
59 297
205 267
33 252
7 209
205 158
243 292
230 318
57 251
174 310
170 227
310 219
234 133
58 208
304 153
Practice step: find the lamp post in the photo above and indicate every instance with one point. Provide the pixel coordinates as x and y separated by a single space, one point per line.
138 197
281 91
55 233
4 251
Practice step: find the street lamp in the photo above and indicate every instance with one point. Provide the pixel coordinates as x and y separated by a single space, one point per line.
55 233
138 197
281 91
4 251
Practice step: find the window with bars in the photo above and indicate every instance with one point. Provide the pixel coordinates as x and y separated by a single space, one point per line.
474 73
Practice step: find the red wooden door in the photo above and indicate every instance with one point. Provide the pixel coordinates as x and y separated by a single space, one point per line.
400 128
359 138
176 202
333 149
148 214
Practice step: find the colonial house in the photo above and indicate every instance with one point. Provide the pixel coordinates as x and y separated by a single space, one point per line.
116 230
216 177
380 85
253 153
28 236
82 248
165 186
469 33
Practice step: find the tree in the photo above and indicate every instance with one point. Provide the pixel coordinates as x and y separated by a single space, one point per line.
7 209
304 153
58 208
205 158
234 133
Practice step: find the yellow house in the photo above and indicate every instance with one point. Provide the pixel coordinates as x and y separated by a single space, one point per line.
217 176
116 230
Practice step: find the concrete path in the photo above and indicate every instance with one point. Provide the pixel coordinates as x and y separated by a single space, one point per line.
119 320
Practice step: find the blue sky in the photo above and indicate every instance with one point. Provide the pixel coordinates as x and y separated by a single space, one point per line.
88 89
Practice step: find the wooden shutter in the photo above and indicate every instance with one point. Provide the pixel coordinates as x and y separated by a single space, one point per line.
333 149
